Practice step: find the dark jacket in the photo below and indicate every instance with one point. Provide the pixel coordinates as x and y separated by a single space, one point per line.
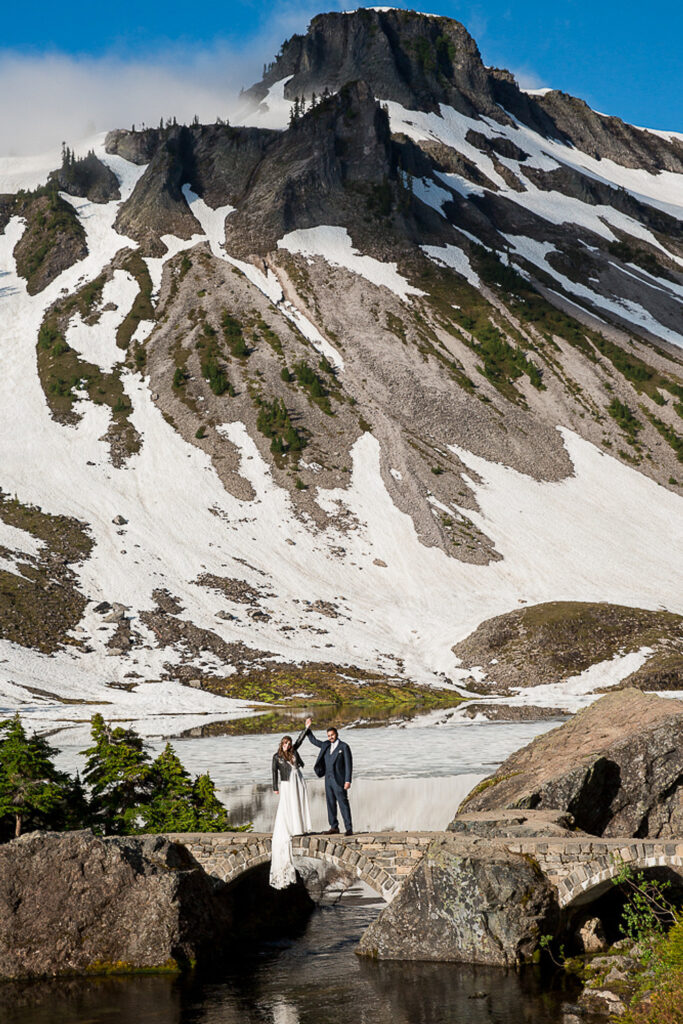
337 768
282 767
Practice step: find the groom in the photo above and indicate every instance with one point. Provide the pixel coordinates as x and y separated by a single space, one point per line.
336 764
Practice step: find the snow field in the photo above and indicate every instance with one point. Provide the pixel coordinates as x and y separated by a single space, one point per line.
334 245
536 252
272 112
663 191
455 258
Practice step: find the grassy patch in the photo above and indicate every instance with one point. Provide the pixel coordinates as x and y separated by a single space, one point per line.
142 308
625 419
62 372
673 439
331 687
548 642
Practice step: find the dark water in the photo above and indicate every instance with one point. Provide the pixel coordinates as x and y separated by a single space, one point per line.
315 979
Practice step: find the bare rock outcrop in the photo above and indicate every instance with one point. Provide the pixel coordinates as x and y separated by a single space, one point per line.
74 903
467 901
616 767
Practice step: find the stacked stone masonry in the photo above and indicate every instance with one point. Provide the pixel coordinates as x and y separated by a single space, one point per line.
578 868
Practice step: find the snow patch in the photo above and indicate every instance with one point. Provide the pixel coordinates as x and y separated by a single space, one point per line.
273 111
334 245
453 257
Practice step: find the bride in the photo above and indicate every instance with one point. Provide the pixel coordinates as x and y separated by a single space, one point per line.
293 816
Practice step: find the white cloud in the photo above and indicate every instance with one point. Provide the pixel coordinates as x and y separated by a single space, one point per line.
58 97
528 79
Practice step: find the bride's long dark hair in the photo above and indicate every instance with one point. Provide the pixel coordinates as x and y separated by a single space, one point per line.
288 755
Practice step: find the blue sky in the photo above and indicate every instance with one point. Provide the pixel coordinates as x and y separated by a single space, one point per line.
622 58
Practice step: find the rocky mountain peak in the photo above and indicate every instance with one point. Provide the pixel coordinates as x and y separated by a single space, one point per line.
414 59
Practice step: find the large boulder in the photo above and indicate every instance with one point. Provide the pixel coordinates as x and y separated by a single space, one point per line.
616 767
73 902
468 900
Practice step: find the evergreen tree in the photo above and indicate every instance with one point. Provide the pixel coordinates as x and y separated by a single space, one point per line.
75 806
210 814
31 788
171 808
119 775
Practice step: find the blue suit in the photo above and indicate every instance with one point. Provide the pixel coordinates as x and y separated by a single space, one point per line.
337 767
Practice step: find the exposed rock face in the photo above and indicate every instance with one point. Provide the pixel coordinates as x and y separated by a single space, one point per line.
157 205
616 767
403 56
466 901
609 137
138 147
70 902
89 178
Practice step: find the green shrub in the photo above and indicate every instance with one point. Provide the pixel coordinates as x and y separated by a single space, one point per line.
311 382
232 332
624 418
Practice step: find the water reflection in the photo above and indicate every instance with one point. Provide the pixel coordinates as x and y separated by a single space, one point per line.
316 980
376 804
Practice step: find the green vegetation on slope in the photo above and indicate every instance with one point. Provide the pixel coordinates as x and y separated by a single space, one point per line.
40 603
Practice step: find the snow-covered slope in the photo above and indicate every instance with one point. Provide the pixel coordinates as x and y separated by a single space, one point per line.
448 451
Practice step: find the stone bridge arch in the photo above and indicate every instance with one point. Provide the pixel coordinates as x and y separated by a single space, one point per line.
381 860
589 880
349 861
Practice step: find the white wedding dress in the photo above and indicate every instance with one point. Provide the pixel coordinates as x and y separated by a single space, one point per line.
293 818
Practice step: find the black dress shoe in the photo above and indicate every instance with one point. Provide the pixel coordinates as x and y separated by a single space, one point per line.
332 832
349 832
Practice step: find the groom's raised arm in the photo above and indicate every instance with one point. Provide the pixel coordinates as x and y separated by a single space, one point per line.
314 741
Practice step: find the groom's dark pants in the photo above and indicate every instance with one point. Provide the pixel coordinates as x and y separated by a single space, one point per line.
336 794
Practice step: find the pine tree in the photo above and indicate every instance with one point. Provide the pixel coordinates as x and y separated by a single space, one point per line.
75 807
118 773
31 788
210 814
171 808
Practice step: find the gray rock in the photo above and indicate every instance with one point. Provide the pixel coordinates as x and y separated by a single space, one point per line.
74 902
615 766
514 824
466 901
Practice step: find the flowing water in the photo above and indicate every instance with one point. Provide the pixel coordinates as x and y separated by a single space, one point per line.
409 778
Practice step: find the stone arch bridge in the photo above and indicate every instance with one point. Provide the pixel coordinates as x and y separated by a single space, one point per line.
579 868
